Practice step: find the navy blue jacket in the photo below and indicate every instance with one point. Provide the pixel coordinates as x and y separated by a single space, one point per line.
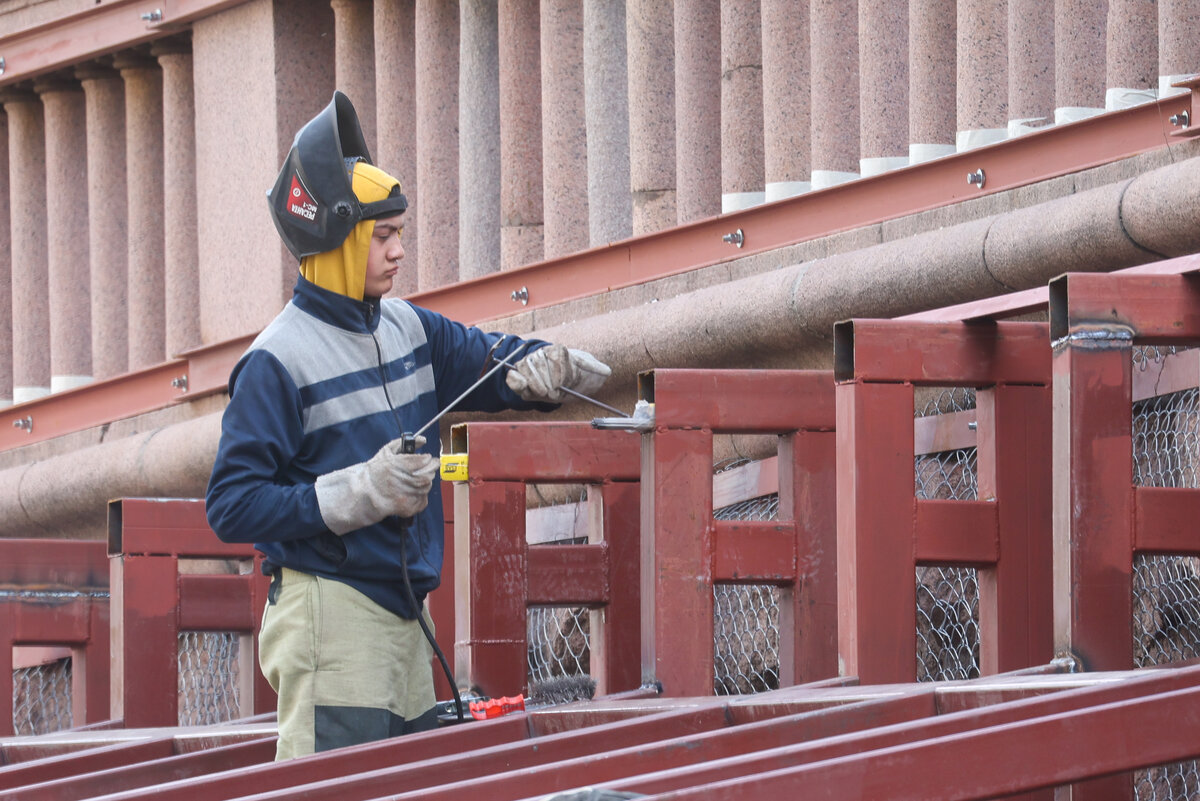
324 386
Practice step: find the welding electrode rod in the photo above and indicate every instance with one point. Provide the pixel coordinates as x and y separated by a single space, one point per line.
456 401
579 395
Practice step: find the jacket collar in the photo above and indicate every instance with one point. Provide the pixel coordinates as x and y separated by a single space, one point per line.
353 315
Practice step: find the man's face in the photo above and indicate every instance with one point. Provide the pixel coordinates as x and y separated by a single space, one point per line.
383 258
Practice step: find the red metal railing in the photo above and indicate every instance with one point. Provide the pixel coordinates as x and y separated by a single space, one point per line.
685 552
153 600
55 593
499 575
884 531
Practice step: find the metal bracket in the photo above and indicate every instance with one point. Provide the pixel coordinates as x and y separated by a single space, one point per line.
153 16
180 383
976 177
736 238
521 296
1183 119
24 424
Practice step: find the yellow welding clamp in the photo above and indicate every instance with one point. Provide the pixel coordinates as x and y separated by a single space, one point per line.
454 467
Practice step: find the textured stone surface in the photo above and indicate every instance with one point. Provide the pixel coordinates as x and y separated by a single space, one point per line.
787 93
479 144
1159 210
30 299
6 320
1031 61
396 118
741 98
1131 60
1178 32
250 58
437 141
182 257
354 60
66 231
982 55
931 55
1079 47
835 77
650 31
884 84
521 237
606 104
105 103
698 85
564 129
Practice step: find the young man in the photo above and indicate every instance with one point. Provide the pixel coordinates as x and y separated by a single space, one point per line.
310 465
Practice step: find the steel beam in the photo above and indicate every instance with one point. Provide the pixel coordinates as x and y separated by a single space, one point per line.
746 401
1165 520
1154 309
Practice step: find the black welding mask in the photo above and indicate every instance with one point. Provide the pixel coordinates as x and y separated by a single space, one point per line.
312 202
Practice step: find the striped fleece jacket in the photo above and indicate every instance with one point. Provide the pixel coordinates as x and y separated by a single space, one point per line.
330 381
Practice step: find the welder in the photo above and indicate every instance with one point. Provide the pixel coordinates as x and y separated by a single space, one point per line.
311 466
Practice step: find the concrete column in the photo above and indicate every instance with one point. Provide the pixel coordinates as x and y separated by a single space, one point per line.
1178 33
650 36
743 182
787 99
564 127
181 280
1030 65
835 143
104 94
1079 48
932 46
606 105
883 88
521 227
1132 54
982 65
6 320
30 277
354 60
66 231
144 158
396 117
437 141
698 122
479 147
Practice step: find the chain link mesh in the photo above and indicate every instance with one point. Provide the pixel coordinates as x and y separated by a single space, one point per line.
947 597
209 672
558 638
1166 587
42 698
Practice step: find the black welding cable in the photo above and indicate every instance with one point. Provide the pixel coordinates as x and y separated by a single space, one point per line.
412 599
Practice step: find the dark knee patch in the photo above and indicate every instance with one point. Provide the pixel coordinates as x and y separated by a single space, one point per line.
340 726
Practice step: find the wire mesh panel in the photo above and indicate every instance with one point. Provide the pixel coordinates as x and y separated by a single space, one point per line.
947 597
209 672
1166 587
42 698
746 616
559 642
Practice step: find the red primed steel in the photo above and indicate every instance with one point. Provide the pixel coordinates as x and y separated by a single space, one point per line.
151 771
1165 520
80 622
684 551
152 603
1051 750
1156 309
878 364
338 765
498 575
35 771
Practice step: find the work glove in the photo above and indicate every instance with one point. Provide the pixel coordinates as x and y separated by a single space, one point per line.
539 376
389 483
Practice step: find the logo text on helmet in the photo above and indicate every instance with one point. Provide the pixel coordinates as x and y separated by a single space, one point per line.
301 203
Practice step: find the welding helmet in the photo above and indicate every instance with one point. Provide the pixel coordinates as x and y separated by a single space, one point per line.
313 202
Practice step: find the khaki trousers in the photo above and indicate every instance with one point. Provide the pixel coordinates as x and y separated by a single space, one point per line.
346 670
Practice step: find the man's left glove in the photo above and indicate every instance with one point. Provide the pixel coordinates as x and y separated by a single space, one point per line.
539 376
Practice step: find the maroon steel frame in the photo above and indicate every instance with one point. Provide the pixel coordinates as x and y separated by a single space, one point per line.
685 551
498 575
884 532
152 602
78 573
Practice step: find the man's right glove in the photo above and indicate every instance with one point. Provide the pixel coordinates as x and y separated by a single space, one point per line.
389 483
541 374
